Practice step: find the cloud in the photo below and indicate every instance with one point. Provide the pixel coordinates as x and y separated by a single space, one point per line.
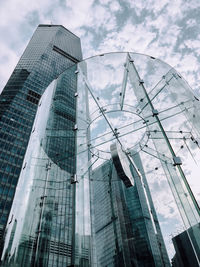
130 38
168 30
8 60
151 27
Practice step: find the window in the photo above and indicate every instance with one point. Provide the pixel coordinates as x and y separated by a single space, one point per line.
33 97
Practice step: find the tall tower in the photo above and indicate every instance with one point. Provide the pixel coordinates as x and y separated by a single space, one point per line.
50 51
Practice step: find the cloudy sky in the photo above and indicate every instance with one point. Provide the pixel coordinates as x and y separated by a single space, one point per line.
165 29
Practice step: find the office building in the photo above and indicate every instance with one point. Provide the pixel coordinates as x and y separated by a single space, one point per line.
187 247
127 231
50 51
42 227
63 145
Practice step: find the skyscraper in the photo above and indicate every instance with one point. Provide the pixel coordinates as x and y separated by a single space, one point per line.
127 231
41 231
50 51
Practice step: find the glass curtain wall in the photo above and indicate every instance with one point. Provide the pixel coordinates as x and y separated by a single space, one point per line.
51 50
48 226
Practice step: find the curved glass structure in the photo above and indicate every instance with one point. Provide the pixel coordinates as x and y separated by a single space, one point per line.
78 205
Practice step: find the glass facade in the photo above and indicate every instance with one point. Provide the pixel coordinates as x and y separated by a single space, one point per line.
74 206
185 253
127 231
46 227
50 51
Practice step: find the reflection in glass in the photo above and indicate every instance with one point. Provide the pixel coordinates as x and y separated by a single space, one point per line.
73 209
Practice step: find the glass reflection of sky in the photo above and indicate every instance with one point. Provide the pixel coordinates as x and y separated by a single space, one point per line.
108 123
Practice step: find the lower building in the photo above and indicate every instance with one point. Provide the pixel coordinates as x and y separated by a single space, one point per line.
187 252
127 231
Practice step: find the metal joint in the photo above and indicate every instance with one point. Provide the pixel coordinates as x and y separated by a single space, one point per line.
48 166
74 179
141 82
75 127
177 161
155 112
42 197
116 133
102 110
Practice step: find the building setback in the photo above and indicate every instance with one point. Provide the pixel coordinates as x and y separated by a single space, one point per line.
50 51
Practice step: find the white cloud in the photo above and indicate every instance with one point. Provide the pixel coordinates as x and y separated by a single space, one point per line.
8 61
191 22
152 5
193 44
130 38
105 2
114 6
164 29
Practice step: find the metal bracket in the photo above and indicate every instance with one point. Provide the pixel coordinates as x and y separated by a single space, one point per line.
74 179
48 166
116 133
155 112
102 110
141 82
177 161
75 127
